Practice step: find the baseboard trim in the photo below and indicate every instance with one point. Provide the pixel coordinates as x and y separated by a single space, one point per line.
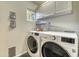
20 54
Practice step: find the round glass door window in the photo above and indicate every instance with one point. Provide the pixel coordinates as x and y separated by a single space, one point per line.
50 49
32 44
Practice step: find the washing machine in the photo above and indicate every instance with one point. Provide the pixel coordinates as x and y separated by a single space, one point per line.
59 45
33 44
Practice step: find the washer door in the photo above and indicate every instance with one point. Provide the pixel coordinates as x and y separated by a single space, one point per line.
32 44
50 49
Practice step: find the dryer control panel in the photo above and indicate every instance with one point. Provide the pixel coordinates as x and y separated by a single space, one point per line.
36 34
68 40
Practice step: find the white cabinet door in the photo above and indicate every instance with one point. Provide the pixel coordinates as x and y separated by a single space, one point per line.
63 7
47 8
60 5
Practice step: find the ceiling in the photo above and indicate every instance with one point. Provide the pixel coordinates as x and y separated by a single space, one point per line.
38 2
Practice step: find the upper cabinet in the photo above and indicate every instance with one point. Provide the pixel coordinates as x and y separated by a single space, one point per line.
45 9
63 7
54 8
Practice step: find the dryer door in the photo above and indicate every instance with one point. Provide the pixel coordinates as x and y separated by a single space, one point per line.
50 49
32 44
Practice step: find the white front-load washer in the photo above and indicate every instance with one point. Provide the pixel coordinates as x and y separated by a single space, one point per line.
33 44
59 46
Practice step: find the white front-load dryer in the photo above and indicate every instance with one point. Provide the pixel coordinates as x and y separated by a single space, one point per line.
57 46
33 44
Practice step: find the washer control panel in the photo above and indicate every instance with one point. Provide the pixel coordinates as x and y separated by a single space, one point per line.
68 40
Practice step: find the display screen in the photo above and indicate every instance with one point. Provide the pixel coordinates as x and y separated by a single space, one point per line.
68 40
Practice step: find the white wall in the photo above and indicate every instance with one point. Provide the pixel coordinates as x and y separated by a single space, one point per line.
15 37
